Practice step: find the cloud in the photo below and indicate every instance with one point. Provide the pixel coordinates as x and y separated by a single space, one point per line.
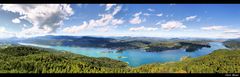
227 36
160 22
104 29
76 29
45 18
16 20
35 30
107 21
238 34
137 14
5 34
136 19
146 14
151 10
231 31
2 29
170 25
109 6
189 30
224 29
190 18
214 28
116 10
142 28
117 21
159 15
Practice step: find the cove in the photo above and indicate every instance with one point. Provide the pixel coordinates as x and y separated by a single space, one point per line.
136 57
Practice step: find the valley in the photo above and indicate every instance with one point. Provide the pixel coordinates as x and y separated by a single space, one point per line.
135 51
138 56
27 59
119 38
147 44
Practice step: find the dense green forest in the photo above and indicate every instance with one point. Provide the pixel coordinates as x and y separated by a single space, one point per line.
190 46
25 59
22 59
220 61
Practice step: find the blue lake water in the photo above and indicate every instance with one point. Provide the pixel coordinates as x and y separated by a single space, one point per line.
136 57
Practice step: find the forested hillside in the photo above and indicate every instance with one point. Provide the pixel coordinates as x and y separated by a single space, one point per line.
233 43
23 59
220 61
148 44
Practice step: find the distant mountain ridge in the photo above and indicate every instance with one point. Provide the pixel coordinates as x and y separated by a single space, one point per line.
150 44
232 43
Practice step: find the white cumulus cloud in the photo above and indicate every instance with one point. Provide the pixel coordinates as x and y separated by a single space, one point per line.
117 21
136 18
106 21
45 18
76 29
170 25
214 28
142 28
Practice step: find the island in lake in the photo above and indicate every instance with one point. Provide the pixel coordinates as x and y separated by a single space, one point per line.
119 38
120 44
17 58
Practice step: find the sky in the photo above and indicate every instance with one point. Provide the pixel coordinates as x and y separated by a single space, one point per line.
137 20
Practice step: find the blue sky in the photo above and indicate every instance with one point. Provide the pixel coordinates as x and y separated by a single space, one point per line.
152 20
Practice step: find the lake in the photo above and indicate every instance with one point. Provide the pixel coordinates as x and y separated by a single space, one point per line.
136 57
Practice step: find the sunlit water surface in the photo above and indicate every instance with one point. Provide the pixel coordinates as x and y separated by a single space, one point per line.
136 57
